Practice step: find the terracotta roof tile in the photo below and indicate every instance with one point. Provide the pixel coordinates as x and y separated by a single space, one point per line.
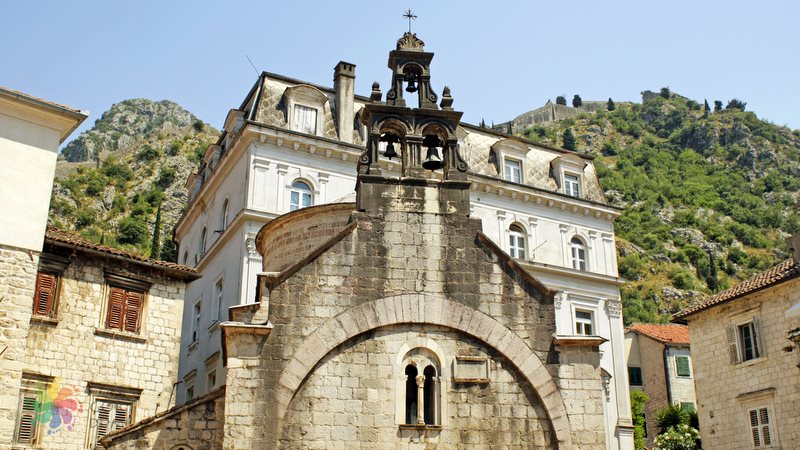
58 236
776 274
669 333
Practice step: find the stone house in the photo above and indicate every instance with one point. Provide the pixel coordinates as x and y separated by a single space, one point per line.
31 130
292 145
745 360
659 364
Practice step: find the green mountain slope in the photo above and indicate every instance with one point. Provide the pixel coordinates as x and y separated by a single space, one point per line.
709 197
112 181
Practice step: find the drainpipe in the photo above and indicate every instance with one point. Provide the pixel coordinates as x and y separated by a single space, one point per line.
666 377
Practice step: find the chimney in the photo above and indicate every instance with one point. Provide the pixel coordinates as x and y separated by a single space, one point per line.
344 77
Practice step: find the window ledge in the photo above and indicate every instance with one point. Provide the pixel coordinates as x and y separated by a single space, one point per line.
121 335
193 345
751 362
44 320
420 427
214 326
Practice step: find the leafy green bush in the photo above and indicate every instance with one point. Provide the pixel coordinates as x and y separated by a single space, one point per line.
680 437
148 153
681 279
133 231
117 171
631 267
166 176
638 399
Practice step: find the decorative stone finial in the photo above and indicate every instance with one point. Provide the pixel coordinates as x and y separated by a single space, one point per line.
376 94
447 100
410 42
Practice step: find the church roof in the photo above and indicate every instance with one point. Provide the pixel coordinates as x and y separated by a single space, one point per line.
770 277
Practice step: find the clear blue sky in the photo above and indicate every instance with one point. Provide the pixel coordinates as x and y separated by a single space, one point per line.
500 58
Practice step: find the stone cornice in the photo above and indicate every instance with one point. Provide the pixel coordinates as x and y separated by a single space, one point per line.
578 341
533 267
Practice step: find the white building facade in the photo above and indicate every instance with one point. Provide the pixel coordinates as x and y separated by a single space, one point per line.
292 144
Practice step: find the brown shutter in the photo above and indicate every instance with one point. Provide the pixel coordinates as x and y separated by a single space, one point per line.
133 309
730 336
757 338
116 308
26 429
44 298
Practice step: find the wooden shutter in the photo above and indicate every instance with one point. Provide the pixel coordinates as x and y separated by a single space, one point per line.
44 299
730 336
26 428
757 338
116 308
133 309
682 363
102 419
754 428
121 416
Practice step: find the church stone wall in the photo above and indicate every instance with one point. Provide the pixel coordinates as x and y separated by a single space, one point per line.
353 393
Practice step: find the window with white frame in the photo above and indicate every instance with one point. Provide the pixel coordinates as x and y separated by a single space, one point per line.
218 290
572 185
108 416
516 242
300 196
305 119
202 250
513 170
578 253
196 319
223 220
748 341
760 426
682 366
211 377
584 324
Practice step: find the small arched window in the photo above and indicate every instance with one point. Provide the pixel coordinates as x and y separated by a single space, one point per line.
223 220
578 253
300 196
422 388
203 242
516 242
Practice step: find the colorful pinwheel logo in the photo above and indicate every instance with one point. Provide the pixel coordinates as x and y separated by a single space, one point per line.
56 406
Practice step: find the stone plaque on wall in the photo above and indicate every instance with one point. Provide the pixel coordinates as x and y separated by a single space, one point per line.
471 369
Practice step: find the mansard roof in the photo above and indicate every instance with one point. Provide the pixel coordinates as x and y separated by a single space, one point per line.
779 273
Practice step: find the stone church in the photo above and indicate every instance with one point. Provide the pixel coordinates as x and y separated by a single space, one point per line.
394 321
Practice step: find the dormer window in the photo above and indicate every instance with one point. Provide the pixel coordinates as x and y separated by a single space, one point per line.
513 170
305 119
572 185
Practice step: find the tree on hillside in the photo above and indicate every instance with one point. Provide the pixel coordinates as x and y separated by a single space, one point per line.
665 92
735 103
576 101
712 280
155 246
611 106
561 100
706 108
569 139
717 106
483 123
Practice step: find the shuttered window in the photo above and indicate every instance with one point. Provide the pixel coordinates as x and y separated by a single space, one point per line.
44 300
124 310
682 366
27 425
635 376
305 119
110 416
760 427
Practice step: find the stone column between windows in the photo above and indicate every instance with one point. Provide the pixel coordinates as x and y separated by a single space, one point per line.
502 231
565 250
257 197
420 399
592 265
533 239
282 170
323 188
611 254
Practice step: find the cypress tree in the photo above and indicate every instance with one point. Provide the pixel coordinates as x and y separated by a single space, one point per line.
510 129
611 105
717 105
577 102
712 281
569 139
483 123
706 108
155 247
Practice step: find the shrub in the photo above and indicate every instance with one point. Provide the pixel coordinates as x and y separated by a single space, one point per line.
638 398
665 92
117 171
611 106
577 102
681 279
133 231
735 103
680 437
561 100
166 176
148 153
199 126
631 267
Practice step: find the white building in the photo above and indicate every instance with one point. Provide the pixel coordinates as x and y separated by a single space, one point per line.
292 144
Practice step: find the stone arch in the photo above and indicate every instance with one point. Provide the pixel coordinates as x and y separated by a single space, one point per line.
432 310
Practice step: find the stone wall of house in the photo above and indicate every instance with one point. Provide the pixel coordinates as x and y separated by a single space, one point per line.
17 280
654 382
681 389
582 388
292 237
196 425
414 257
77 351
725 390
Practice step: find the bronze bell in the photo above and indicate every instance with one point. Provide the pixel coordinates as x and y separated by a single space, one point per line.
432 160
412 86
390 153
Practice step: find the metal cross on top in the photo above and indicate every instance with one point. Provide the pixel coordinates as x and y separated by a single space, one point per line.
410 16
